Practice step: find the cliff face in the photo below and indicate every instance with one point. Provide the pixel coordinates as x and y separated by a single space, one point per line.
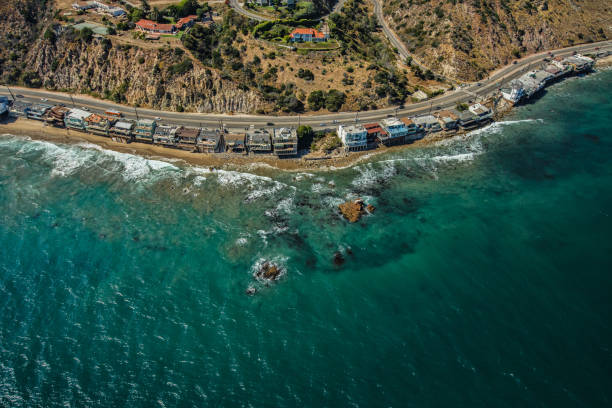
136 76
466 39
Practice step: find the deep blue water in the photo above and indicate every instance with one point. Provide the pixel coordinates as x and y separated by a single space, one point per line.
483 279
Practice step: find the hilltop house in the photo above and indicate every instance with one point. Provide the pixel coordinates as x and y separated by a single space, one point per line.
285 142
354 137
100 7
186 22
308 35
149 26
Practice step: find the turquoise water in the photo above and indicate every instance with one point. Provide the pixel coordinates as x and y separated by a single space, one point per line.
483 279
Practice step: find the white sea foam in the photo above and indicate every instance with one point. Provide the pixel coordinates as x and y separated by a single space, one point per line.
372 174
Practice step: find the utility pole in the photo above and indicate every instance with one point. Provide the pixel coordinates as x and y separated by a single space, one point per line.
73 104
11 92
299 121
136 111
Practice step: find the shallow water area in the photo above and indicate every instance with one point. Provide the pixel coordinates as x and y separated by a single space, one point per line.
482 278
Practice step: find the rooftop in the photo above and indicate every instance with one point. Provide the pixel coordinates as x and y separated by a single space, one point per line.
124 125
354 129
391 122
78 114
424 120
152 25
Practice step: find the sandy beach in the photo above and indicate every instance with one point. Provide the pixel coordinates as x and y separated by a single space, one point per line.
38 130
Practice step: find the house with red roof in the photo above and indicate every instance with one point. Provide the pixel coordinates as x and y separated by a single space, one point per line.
308 35
149 26
186 22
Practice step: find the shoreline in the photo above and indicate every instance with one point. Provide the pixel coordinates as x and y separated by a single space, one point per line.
39 131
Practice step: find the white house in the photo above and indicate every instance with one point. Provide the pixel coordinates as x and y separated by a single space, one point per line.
354 137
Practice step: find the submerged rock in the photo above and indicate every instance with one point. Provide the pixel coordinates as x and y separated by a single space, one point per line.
268 271
250 290
338 258
353 210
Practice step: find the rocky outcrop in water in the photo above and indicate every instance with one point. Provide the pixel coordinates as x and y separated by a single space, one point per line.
353 210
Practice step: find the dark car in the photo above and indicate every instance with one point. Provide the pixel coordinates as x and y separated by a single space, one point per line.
20 96
270 124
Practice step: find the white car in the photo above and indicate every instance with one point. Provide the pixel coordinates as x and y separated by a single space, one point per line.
85 108
157 118
44 100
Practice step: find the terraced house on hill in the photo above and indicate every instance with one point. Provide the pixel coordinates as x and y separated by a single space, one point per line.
308 35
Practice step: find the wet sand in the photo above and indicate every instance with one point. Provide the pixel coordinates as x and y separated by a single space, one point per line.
37 130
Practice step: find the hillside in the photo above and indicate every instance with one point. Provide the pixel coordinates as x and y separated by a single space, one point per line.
466 39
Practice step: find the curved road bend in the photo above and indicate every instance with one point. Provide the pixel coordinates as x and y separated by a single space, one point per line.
445 101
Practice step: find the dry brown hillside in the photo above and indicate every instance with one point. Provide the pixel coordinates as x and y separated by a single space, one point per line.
466 39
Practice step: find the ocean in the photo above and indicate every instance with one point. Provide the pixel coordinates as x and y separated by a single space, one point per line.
483 278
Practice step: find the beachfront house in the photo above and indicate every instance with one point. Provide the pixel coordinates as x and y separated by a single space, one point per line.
448 119
514 92
259 141
396 131
75 119
483 113
467 120
55 116
38 111
149 26
121 131
186 137
234 142
165 135
144 130
353 137
579 63
210 141
98 125
375 134
412 130
427 123
307 35
19 109
285 142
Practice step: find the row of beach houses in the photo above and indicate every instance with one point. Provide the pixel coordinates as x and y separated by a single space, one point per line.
532 82
396 131
281 142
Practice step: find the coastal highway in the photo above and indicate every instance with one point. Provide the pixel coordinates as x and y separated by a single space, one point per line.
467 93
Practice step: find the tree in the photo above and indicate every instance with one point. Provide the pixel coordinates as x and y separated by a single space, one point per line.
86 34
49 35
334 100
305 136
316 100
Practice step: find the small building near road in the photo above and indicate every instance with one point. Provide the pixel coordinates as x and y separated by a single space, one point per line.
308 35
75 119
353 137
285 142
259 141
413 132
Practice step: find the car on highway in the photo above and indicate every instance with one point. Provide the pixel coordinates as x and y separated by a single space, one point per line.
44 100
269 124
335 121
157 118
322 124
19 96
85 108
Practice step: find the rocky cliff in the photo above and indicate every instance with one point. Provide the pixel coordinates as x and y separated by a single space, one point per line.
136 76
466 39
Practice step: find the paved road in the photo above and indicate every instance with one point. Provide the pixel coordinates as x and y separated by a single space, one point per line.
318 121
241 10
